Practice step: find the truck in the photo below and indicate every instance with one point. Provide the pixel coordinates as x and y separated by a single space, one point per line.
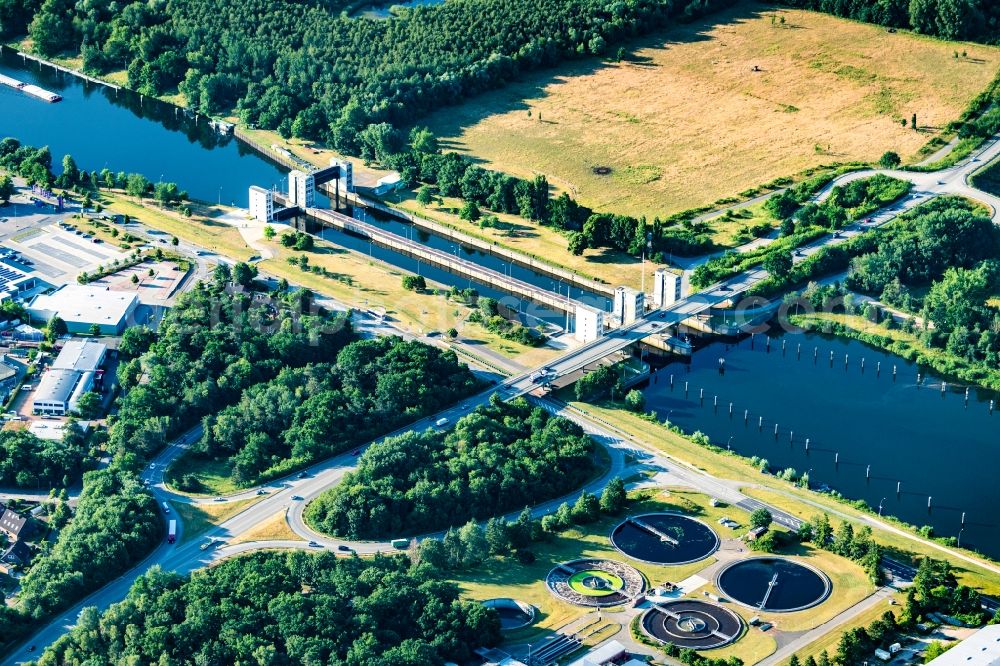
172 531
401 544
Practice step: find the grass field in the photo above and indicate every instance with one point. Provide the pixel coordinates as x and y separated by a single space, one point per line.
214 475
684 121
274 528
198 518
200 230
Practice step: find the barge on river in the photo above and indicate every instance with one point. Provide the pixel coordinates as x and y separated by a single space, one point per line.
30 89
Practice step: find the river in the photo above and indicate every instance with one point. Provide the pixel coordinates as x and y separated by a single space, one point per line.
124 131
934 445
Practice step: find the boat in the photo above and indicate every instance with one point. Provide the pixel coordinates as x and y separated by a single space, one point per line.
30 89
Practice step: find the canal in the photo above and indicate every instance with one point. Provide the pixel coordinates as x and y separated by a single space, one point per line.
123 131
933 444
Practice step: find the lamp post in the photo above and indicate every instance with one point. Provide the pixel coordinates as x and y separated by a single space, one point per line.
728 444
880 507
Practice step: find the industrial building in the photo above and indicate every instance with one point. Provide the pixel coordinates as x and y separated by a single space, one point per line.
75 371
261 204
980 649
666 288
13 280
589 323
301 189
83 306
629 305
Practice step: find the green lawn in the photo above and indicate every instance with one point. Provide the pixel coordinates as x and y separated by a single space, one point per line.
198 518
214 475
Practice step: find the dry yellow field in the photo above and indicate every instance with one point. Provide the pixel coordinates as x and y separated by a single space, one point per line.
684 120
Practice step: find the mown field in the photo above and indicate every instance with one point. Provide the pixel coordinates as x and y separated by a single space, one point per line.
683 120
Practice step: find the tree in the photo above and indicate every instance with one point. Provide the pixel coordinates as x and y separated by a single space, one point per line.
269 232
498 536
613 497
175 241
760 518
7 188
137 185
414 283
244 274
88 406
778 264
95 329
889 160
70 172
470 211
586 508
55 328
167 193
635 401
474 544
135 279
425 195
794 660
577 243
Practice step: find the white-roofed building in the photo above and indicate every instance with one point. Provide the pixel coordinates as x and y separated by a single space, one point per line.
980 649
610 652
81 307
73 373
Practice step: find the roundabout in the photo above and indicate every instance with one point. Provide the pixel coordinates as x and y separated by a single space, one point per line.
595 582
773 584
691 623
664 538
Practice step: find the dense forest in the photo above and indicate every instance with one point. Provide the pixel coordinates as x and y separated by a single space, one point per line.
949 19
29 462
498 458
212 344
116 524
941 261
306 414
216 342
284 608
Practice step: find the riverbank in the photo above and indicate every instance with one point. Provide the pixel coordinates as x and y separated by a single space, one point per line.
973 569
899 342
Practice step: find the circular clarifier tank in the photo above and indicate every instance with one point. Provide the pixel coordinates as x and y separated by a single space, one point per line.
773 584
664 538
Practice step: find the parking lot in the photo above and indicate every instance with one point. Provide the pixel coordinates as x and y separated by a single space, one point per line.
156 289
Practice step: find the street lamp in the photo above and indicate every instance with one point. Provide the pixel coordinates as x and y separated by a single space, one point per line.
960 536
728 448
880 507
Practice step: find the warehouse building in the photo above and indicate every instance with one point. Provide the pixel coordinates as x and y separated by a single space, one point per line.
82 306
76 370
